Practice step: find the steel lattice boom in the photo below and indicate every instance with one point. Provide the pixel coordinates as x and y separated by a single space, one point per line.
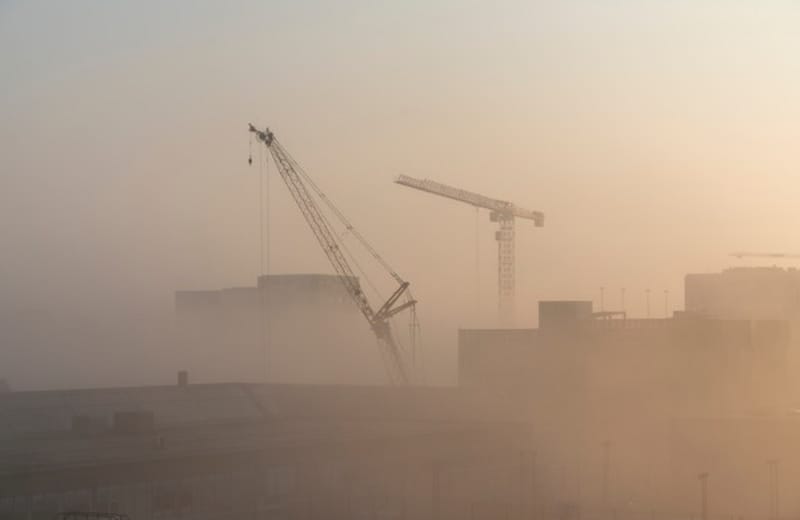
502 212
294 177
502 207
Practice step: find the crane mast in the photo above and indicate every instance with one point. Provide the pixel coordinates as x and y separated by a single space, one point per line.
294 177
502 212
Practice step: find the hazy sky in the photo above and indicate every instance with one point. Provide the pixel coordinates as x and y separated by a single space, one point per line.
657 136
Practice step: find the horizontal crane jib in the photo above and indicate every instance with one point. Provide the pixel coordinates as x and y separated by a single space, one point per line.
504 208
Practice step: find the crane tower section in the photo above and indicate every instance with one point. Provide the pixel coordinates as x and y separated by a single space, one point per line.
504 213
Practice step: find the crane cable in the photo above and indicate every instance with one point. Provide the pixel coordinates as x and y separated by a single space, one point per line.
265 328
275 147
325 218
350 228
344 219
389 363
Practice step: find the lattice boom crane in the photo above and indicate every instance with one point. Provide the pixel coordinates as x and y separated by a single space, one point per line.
502 212
299 183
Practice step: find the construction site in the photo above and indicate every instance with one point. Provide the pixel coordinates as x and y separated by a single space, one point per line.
478 267
638 401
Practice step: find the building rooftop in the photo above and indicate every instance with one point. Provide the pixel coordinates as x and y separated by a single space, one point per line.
37 429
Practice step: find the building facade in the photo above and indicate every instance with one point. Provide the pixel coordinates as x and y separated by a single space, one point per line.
260 451
274 331
625 413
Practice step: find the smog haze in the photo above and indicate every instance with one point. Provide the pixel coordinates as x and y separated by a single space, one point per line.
656 137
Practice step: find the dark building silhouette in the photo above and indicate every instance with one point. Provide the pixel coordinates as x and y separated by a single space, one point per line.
751 293
259 451
301 328
662 391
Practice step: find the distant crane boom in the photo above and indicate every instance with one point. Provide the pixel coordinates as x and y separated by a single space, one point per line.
507 209
296 180
741 254
502 212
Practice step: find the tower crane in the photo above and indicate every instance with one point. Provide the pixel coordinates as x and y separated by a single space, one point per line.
741 254
502 212
301 187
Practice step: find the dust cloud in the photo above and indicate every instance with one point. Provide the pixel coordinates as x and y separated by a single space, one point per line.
189 328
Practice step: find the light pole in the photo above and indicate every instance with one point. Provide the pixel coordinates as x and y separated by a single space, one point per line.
703 478
532 501
436 490
606 472
774 486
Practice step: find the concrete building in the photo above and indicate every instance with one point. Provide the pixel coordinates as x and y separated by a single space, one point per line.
770 293
272 330
260 451
284 290
751 293
662 392
686 363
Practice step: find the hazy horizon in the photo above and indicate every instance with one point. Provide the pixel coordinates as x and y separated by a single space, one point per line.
656 137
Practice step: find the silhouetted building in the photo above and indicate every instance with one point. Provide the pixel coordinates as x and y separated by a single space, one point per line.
662 393
563 313
258 451
300 328
275 292
751 293
685 365
754 293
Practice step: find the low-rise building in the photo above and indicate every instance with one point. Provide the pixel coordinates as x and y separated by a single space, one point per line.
272 330
259 451
636 389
